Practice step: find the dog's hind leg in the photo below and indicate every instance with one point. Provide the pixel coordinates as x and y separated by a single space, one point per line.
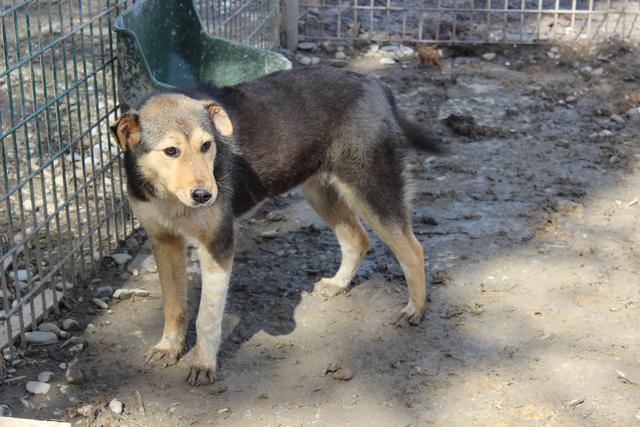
353 240
381 203
169 253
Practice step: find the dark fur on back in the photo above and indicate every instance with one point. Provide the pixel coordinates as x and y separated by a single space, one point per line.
288 121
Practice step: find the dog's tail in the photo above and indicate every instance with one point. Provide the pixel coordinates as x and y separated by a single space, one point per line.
420 137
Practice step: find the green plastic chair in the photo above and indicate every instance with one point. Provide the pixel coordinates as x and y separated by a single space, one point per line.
162 44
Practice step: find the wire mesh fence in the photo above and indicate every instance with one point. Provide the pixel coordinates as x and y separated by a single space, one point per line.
253 22
470 21
62 204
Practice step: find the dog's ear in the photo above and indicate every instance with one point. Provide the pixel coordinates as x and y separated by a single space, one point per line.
126 131
220 119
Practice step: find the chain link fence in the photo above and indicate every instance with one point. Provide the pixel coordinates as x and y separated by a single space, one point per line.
62 204
470 21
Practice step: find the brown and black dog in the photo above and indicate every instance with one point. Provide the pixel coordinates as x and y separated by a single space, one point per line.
195 160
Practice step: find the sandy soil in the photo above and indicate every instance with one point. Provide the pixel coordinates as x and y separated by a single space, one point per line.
529 222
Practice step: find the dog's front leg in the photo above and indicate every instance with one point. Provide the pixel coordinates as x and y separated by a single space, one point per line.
216 260
169 253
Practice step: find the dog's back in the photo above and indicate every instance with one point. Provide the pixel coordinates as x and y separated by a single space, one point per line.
293 124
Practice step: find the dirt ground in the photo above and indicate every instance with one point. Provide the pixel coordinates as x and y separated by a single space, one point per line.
529 222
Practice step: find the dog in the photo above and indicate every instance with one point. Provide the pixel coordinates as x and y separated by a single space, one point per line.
197 159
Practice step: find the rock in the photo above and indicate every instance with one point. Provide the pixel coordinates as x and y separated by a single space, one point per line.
307 46
605 133
387 61
71 325
104 292
36 387
74 374
121 258
305 60
341 55
40 337
634 114
20 275
569 99
45 376
343 374
76 348
315 60
224 412
50 327
116 406
91 328
100 303
489 56
218 388
5 411
128 293
616 118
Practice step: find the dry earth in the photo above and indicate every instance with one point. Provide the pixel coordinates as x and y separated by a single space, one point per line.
530 225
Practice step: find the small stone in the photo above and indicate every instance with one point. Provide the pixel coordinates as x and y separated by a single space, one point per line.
634 114
128 293
343 374
50 327
74 374
76 348
40 337
341 55
387 61
121 259
104 292
605 133
218 388
116 406
45 376
305 60
5 411
37 387
616 118
100 303
489 56
91 328
64 286
224 412
315 60
307 46
614 159
569 99
20 275
71 325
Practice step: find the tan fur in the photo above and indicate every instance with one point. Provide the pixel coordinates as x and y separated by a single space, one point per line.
404 245
353 240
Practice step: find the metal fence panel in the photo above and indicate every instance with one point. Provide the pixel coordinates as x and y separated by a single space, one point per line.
62 204
253 22
470 21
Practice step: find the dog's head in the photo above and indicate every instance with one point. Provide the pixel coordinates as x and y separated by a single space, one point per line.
173 138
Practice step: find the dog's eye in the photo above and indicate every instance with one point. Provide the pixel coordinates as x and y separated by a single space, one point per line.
205 146
171 151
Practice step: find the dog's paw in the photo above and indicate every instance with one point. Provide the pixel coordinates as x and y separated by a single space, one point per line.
330 287
201 375
163 356
409 315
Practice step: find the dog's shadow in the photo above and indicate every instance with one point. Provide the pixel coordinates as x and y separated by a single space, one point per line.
267 282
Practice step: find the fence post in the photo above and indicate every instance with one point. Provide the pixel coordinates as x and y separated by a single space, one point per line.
291 14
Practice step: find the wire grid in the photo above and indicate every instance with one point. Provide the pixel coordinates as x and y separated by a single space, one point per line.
252 22
470 21
61 194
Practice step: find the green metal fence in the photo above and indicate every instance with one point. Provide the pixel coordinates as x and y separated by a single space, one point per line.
61 187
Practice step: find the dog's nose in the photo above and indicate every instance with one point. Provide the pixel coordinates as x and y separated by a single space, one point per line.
200 195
